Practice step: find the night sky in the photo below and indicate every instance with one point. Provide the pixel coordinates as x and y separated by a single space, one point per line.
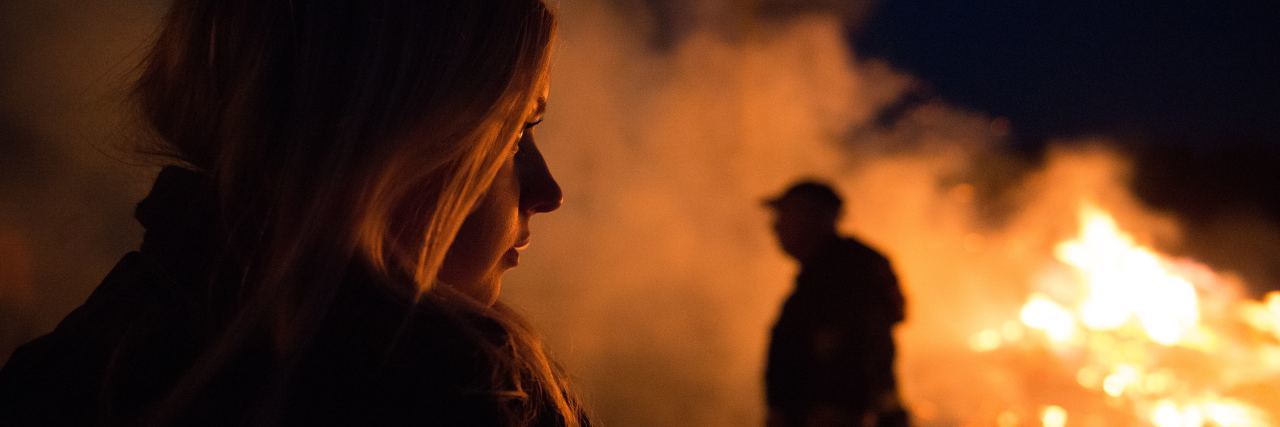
1195 73
1190 89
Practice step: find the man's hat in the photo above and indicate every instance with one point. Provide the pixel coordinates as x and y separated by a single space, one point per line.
808 193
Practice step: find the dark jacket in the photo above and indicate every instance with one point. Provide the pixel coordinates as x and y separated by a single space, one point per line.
373 361
832 344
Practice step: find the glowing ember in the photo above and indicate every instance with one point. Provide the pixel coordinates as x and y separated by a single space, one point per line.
1053 416
1155 340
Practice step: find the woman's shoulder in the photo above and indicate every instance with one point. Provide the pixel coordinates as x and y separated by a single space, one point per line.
61 374
378 360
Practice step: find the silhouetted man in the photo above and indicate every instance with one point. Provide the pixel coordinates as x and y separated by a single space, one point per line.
831 354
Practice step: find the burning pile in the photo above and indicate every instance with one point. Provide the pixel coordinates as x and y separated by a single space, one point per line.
1125 335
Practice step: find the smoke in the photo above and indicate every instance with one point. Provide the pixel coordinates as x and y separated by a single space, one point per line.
658 281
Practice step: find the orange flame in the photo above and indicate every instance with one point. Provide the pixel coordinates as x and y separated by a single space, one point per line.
1166 341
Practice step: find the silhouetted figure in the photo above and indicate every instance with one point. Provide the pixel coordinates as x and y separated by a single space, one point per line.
351 181
831 354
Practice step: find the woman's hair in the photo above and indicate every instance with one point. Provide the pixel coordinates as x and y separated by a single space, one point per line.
343 132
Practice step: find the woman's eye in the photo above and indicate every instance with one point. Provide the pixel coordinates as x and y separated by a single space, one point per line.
515 148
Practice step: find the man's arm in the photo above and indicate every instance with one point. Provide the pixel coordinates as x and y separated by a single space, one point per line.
897 304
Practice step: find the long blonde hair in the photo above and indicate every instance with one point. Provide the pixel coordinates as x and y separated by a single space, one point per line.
338 132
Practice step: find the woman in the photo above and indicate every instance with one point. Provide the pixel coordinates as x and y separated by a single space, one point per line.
356 177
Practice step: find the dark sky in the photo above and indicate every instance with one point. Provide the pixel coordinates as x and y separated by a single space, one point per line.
1180 72
1190 89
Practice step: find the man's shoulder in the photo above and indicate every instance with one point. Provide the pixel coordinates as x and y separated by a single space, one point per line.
853 248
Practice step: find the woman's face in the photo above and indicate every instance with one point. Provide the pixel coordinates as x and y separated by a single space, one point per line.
497 231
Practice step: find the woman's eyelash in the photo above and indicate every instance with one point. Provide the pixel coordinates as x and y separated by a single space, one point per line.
527 126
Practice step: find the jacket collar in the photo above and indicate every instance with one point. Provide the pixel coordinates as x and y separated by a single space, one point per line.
179 216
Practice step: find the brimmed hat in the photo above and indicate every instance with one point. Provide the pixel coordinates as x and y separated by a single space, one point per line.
810 193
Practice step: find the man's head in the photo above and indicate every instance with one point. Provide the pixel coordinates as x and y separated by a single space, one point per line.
805 217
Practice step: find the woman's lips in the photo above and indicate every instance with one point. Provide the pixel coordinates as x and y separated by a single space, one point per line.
512 257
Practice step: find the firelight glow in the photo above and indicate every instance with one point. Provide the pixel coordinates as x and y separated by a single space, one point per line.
1127 282
1165 340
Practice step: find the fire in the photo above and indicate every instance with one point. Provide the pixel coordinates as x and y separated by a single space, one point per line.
1160 341
1053 416
1126 282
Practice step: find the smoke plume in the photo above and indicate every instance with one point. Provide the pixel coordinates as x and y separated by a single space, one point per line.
658 281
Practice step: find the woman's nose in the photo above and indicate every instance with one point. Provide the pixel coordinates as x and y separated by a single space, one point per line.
539 191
